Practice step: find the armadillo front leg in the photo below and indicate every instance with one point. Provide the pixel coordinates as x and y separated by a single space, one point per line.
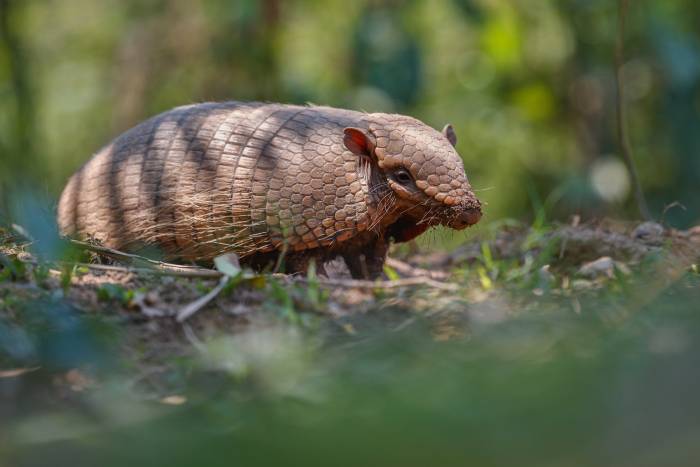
368 262
299 264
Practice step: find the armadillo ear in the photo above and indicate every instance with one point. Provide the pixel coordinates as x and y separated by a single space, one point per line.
358 141
450 134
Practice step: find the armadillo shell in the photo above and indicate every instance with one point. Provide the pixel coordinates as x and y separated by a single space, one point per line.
205 179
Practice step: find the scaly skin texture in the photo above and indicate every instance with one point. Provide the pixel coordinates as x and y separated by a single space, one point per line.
262 180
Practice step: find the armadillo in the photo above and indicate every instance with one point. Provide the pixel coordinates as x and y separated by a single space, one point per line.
270 182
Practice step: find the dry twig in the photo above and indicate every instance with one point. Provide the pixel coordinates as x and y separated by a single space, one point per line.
193 307
366 284
151 265
202 273
408 270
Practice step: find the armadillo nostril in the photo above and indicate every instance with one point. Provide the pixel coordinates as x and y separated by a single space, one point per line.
471 216
465 218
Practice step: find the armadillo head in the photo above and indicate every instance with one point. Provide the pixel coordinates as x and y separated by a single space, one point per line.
419 169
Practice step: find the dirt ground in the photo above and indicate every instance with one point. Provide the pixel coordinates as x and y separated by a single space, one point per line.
497 275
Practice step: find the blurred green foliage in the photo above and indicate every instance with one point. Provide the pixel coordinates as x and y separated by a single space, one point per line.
528 85
614 384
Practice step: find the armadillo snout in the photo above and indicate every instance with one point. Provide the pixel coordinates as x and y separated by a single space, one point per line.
466 216
470 217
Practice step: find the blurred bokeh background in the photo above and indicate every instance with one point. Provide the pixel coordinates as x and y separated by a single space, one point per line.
528 85
521 365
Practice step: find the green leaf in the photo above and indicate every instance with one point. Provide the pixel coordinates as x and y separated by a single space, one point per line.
487 256
228 265
12 269
67 272
114 292
391 273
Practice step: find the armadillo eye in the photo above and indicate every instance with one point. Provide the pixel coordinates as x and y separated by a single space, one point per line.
403 177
